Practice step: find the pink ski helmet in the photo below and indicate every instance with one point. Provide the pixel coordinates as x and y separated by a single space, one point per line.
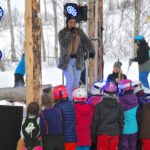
126 85
110 88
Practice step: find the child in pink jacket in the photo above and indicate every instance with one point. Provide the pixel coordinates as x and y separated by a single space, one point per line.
96 94
84 115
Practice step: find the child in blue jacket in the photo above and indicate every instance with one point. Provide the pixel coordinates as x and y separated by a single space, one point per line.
51 125
68 116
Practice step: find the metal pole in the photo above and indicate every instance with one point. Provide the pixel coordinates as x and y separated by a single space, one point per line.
96 41
87 61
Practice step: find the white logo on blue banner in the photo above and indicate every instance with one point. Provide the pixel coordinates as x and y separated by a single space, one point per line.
72 11
1 54
1 13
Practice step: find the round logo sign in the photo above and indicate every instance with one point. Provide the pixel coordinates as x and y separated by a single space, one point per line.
1 13
1 55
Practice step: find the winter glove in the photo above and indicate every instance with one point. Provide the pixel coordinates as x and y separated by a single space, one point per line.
73 30
91 55
131 60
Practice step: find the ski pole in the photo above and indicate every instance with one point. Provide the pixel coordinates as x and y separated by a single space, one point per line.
130 63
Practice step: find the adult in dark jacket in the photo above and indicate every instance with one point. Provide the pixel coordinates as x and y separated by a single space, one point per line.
117 76
73 44
107 123
20 72
145 127
68 116
143 59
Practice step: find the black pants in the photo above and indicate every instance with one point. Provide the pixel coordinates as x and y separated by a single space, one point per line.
53 142
19 80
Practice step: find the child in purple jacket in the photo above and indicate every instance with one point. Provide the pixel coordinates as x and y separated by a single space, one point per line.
130 105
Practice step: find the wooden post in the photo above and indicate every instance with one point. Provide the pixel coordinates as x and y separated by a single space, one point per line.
32 50
91 36
36 35
100 43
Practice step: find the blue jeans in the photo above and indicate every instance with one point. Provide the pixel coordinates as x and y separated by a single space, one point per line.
143 77
72 77
83 148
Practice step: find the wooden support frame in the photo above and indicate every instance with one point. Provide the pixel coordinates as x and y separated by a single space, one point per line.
100 43
32 47
92 34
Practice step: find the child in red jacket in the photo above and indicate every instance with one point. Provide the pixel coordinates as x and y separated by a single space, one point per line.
84 115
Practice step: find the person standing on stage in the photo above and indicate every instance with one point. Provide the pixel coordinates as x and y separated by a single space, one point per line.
73 44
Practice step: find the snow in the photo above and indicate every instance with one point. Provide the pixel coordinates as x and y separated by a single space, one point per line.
4 102
50 73
53 75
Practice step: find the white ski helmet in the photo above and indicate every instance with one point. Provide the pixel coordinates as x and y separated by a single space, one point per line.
97 88
79 94
138 87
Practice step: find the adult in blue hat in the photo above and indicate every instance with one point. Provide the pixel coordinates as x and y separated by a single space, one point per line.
143 59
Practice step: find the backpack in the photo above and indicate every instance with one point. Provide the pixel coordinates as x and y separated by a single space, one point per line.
31 132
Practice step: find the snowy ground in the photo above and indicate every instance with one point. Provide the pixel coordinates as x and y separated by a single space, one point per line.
53 75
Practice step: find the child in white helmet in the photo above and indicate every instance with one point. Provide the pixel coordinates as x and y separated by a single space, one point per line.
95 98
96 94
139 92
84 115
142 100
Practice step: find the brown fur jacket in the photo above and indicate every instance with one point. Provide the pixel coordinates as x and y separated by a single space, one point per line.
83 45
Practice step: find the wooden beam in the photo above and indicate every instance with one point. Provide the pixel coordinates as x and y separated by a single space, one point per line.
100 43
91 36
36 36
32 50
18 93
13 93
28 45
